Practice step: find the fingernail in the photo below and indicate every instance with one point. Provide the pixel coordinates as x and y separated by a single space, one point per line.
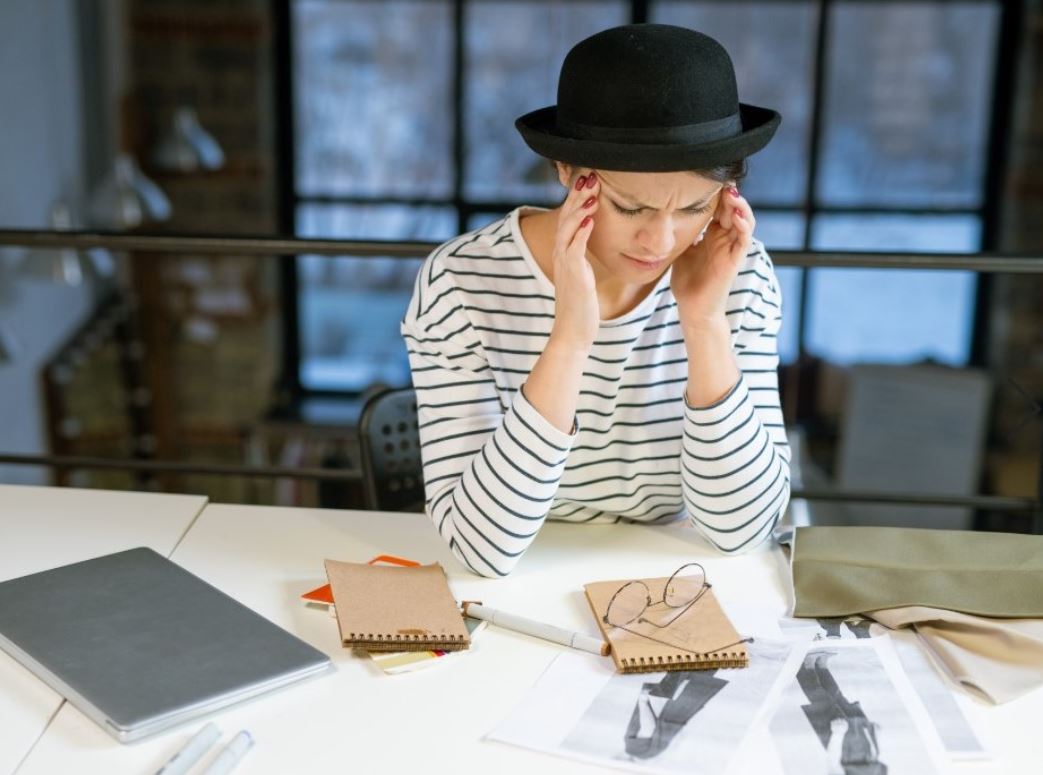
733 190
592 179
585 221
738 213
590 202
580 182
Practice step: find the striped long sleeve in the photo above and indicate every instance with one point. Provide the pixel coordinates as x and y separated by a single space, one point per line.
491 469
495 469
735 458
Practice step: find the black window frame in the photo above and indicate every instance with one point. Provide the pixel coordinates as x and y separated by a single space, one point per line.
1001 116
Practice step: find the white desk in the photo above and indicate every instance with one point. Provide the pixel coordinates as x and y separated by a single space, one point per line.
359 720
43 527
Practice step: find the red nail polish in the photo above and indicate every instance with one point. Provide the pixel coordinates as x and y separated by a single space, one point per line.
592 179
733 191
580 182
585 221
590 202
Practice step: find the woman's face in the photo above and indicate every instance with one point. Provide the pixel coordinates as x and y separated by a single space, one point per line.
645 220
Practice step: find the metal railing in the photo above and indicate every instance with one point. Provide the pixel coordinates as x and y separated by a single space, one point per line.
188 244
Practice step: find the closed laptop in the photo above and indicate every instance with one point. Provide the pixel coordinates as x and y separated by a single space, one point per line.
139 644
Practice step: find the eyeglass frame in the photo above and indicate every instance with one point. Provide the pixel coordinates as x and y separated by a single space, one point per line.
648 604
639 618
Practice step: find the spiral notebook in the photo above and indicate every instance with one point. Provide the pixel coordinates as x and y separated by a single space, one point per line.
703 638
384 608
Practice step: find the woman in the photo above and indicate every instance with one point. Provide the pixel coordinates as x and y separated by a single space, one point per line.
613 358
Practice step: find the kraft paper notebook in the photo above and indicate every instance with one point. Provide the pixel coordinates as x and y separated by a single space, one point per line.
381 608
704 637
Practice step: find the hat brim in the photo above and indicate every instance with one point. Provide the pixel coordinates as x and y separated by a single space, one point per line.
539 130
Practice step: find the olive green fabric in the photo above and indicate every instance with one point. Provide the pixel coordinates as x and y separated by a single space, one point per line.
839 571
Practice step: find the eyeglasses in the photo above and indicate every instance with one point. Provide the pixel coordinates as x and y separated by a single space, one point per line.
631 602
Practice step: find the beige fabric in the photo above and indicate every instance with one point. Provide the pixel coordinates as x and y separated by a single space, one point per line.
1000 659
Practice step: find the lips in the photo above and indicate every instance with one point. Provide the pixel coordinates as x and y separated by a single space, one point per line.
645 263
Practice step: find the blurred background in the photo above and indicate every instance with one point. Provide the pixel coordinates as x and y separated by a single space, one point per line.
910 128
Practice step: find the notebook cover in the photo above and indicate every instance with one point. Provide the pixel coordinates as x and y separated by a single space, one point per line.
382 608
703 627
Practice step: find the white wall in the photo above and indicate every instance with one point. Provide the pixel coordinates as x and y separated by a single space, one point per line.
41 160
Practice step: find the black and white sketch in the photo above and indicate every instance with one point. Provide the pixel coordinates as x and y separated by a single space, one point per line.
833 628
848 737
957 735
665 706
851 711
668 722
952 726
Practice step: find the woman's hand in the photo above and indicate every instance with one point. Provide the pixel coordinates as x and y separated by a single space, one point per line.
701 280
576 311
704 273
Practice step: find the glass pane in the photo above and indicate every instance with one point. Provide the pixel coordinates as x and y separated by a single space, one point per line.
789 335
514 51
908 101
372 107
350 308
909 233
785 231
892 315
772 46
780 230
478 220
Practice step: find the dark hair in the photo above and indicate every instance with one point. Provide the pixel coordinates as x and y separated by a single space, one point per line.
732 172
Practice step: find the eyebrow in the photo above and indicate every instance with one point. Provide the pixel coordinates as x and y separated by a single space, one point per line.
695 205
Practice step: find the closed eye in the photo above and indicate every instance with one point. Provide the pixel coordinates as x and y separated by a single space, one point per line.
636 211
624 211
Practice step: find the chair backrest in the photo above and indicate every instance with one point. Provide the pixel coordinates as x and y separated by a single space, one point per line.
392 473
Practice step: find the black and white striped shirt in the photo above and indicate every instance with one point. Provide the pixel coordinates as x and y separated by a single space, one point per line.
495 469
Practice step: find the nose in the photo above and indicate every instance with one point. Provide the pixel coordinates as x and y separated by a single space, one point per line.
656 236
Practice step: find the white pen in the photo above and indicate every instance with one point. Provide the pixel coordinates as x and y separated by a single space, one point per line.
193 750
230 755
576 640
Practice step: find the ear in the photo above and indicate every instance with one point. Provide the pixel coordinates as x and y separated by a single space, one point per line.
565 173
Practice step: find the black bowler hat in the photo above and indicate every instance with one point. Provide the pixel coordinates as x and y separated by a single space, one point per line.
648 98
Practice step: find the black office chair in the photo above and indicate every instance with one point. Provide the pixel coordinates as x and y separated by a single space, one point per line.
392 474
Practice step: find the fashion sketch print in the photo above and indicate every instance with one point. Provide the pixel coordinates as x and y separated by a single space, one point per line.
691 721
957 735
833 628
844 715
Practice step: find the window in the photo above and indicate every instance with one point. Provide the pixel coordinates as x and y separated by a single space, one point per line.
403 118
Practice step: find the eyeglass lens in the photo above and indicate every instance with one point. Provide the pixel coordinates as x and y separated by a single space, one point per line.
684 586
629 603
633 598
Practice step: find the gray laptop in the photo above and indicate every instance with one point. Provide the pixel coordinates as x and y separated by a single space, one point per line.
139 644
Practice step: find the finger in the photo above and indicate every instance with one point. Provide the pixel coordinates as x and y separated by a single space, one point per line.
578 245
737 201
734 201
573 213
578 192
572 222
743 231
581 187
